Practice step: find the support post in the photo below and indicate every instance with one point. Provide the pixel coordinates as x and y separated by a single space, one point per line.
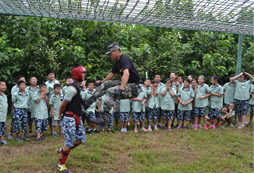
239 54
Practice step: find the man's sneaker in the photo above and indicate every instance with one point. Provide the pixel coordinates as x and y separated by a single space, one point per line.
195 127
58 150
156 128
205 127
10 136
199 126
143 129
39 140
136 130
19 140
149 129
30 134
25 138
3 142
101 120
241 126
62 168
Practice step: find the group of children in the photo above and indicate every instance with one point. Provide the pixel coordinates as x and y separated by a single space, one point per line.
180 100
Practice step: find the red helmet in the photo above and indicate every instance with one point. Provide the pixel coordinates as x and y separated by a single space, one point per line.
76 72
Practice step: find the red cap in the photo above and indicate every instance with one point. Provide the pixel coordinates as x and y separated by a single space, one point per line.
76 73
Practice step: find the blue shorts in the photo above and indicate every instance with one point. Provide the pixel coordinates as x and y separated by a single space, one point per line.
214 113
242 107
41 125
252 110
153 114
167 114
19 120
200 112
138 116
124 116
2 128
183 115
71 133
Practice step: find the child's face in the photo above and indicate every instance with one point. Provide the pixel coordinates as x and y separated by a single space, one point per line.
241 78
57 90
3 86
213 81
51 76
22 79
158 78
22 86
186 84
172 76
43 89
168 84
200 80
231 106
68 81
147 83
190 78
91 86
33 81
224 110
194 83
179 79
154 85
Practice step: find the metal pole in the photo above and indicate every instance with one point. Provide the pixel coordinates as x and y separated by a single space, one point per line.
239 54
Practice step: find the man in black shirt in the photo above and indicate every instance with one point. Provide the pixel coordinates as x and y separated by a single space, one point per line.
127 88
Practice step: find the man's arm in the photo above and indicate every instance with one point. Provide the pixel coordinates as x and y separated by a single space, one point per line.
62 108
125 78
109 77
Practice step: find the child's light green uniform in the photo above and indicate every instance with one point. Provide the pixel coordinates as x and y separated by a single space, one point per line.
14 89
154 101
147 92
229 92
20 101
50 87
86 95
251 102
160 87
230 116
137 105
31 102
3 107
40 109
242 90
215 101
125 105
56 101
201 91
63 90
167 100
185 96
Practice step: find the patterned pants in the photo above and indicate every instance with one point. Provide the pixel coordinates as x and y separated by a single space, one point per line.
252 110
167 114
183 115
153 114
41 125
242 107
117 116
214 113
124 116
19 120
2 128
138 116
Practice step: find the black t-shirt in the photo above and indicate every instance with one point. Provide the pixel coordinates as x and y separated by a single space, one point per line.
125 63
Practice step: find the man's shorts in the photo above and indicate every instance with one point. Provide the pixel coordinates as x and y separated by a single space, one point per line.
242 107
41 125
167 114
183 115
71 133
200 112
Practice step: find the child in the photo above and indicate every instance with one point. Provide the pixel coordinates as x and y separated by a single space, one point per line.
32 88
229 92
185 97
194 86
242 96
216 101
138 110
3 111
160 86
202 92
168 105
180 81
68 81
147 89
50 90
124 113
41 111
90 112
153 106
55 102
251 102
20 101
227 114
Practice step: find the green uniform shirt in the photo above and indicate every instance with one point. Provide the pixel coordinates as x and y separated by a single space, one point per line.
160 87
40 109
201 91
215 101
50 87
86 95
20 101
70 92
31 102
167 100
137 105
154 101
63 90
251 102
3 107
56 101
242 90
229 92
125 105
185 96
147 92
14 89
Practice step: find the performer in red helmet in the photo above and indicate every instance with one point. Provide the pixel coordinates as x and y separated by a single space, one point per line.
73 129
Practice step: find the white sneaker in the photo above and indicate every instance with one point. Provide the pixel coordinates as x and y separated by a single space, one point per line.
144 129
149 129
156 128
238 124
207 118
122 129
125 130
246 123
136 130
241 126
199 126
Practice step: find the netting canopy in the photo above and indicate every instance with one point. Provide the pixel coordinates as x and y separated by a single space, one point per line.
232 16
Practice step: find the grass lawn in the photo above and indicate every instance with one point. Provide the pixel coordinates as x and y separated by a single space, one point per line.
220 150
